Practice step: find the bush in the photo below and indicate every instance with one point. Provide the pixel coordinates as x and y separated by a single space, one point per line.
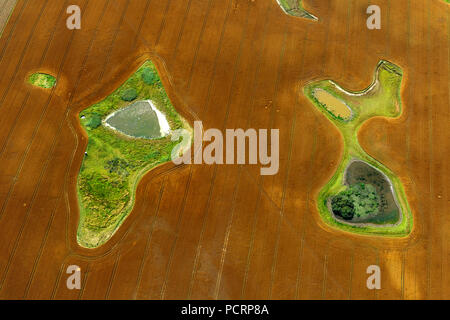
129 94
149 77
94 121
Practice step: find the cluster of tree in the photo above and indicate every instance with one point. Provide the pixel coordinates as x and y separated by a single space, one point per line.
379 183
359 200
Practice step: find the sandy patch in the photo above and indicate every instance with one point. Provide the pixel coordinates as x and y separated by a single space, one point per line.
163 123
333 104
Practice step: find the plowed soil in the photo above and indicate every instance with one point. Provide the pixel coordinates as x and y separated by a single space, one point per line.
203 231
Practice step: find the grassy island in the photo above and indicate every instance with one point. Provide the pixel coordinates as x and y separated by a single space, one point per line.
295 8
115 162
42 80
363 196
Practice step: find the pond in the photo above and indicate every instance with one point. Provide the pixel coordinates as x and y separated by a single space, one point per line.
139 120
360 173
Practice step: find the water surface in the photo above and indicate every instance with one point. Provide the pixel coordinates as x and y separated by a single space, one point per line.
139 120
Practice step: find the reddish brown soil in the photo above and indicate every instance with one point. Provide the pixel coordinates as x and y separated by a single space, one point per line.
222 231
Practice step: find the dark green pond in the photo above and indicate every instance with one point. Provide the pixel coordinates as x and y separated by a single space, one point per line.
138 120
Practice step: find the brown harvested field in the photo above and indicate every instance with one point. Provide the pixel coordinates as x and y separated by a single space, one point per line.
205 232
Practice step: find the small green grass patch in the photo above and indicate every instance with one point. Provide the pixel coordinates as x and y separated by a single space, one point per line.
42 80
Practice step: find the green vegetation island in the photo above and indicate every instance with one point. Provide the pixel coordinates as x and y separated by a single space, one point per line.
42 80
295 8
129 133
363 196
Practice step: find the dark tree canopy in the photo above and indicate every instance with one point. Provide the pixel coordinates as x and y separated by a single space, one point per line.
360 200
342 206
149 76
129 94
94 121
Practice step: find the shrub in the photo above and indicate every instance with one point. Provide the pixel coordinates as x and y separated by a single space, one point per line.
149 76
94 121
129 94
